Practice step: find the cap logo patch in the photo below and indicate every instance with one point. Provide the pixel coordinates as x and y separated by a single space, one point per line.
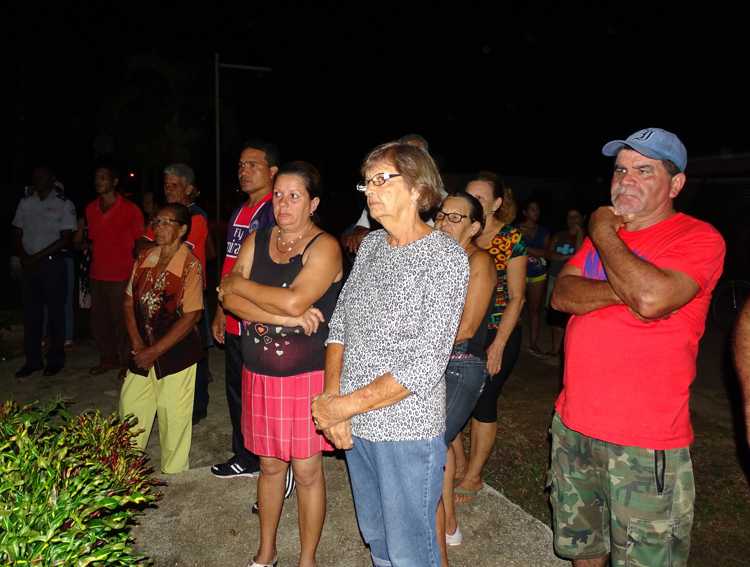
644 134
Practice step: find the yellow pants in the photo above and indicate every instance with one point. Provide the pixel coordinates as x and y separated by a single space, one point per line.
171 399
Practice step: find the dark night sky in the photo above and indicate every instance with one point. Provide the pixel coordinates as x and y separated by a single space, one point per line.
527 89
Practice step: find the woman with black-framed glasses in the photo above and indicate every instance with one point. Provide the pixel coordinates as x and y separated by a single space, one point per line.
461 217
163 303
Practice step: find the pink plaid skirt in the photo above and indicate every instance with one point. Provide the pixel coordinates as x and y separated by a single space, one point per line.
276 418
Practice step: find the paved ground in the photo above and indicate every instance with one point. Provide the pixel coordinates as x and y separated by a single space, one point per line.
204 521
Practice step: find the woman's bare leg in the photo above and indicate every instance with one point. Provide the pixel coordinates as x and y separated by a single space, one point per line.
459 456
440 533
311 504
482 441
451 524
270 502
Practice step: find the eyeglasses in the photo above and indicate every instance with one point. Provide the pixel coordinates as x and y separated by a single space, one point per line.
377 180
160 221
452 217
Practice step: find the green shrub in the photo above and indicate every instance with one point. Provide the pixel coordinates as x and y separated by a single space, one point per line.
69 487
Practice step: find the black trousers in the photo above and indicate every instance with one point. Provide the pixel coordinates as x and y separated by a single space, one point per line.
108 322
44 285
202 372
486 408
233 360
200 401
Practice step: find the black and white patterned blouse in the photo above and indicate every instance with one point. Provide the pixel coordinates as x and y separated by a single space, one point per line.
399 313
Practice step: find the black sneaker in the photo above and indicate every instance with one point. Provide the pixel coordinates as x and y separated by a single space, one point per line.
289 483
233 468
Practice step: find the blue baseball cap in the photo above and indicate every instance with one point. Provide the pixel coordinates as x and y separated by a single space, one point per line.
654 143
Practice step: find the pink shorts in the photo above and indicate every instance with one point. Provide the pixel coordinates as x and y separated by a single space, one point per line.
276 418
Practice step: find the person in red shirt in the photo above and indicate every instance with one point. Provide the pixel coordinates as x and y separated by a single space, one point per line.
257 167
638 290
179 188
114 224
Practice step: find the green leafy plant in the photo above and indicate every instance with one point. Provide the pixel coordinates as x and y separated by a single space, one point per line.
69 486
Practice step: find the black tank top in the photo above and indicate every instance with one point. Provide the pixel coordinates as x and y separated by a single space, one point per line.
283 351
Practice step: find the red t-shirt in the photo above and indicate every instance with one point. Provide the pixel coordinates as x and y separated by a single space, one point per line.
628 381
113 235
245 220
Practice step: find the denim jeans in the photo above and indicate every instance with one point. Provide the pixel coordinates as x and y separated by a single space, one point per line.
396 487
464 379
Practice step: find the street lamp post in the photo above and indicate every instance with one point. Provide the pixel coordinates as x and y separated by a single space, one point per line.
218 65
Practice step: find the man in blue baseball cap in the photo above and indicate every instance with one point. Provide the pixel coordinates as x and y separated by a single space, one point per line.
638 290
654 143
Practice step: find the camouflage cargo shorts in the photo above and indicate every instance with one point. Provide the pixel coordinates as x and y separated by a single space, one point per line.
632 503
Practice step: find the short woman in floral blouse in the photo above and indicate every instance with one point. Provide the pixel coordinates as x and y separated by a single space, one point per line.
163 303
506 245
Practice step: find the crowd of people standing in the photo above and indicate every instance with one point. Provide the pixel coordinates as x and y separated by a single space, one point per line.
392 362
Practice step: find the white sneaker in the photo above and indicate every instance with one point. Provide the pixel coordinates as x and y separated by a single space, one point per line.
456 538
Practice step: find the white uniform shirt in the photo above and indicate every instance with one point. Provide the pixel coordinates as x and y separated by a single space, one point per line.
42 221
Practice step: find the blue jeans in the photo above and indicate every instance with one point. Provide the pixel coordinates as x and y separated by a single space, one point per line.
464 380
396 487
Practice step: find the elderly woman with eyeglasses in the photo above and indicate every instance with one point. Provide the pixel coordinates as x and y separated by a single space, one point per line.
389 342
163 303
462 218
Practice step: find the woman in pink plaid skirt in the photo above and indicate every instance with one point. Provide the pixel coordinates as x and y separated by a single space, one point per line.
284 286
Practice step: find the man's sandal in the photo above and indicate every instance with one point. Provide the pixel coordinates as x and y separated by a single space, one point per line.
468 494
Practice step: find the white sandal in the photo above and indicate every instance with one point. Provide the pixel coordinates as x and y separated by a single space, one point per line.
456 538
256 564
